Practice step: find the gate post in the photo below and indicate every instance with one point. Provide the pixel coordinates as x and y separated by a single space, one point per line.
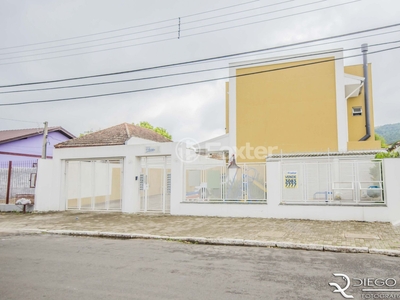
8 182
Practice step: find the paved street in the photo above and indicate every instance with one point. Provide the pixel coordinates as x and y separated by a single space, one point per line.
61 267
350 233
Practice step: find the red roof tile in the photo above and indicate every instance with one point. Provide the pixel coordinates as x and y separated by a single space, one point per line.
116 135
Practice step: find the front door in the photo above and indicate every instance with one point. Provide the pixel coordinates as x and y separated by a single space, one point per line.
155 184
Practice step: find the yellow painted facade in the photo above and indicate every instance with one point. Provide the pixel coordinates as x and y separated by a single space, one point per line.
356 124
294 109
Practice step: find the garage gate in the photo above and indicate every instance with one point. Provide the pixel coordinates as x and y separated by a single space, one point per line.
94 184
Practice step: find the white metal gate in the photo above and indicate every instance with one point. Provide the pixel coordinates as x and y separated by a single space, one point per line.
155 184
94 184
218 183
334 181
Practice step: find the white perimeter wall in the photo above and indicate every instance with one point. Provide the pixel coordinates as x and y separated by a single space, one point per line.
50 194
43 190
274 209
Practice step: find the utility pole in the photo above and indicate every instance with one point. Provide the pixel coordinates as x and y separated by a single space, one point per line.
44 146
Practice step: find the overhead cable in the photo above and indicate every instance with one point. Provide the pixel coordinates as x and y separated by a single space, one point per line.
201 60
192 82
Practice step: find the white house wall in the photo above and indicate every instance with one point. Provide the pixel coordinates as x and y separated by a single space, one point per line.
138 141
131 170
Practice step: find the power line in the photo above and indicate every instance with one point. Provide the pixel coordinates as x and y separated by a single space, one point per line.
91 41
208 11
189 83
203 59
19 120
126 40
326 43
183 73
104 44
257 15
133 33
155 77
89 52
126 28
273 19
134 45
239 12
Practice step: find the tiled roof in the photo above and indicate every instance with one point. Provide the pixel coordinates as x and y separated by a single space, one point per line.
325 154
116 135
7 136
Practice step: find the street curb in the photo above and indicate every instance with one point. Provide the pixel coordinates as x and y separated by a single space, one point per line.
385 252
346 249
226 242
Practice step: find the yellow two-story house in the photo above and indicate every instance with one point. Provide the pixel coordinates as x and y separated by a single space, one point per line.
297 104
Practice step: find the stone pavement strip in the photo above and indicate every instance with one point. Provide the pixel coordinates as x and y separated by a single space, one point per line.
339 236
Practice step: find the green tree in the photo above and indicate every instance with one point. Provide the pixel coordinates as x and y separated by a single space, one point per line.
159 130
163 132
381 139
145 124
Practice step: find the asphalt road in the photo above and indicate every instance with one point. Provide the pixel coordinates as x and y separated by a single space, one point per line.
61 267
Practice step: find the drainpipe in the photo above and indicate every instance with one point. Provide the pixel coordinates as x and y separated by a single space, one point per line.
364 50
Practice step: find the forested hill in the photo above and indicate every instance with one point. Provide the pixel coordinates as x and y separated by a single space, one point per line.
391 132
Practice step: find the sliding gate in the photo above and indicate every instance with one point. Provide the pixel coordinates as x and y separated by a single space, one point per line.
155 184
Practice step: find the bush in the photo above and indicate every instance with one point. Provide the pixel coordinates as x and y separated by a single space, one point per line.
381 139
392 154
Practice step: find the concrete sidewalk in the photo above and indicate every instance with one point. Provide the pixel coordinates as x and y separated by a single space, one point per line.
333 236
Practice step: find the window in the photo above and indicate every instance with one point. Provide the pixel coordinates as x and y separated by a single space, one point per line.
357 111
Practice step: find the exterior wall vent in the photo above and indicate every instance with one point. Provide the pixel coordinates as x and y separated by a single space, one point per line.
357 111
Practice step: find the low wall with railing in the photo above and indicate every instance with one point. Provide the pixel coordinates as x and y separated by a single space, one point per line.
359 189
331 189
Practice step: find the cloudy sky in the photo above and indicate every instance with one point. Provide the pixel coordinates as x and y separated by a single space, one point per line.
46 40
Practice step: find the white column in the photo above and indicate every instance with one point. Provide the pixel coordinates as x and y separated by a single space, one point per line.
391 167
177 182
232 110
341 104
130 188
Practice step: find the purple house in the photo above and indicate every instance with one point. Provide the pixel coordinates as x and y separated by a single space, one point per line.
26 144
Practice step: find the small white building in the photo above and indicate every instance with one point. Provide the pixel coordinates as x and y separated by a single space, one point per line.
123 168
